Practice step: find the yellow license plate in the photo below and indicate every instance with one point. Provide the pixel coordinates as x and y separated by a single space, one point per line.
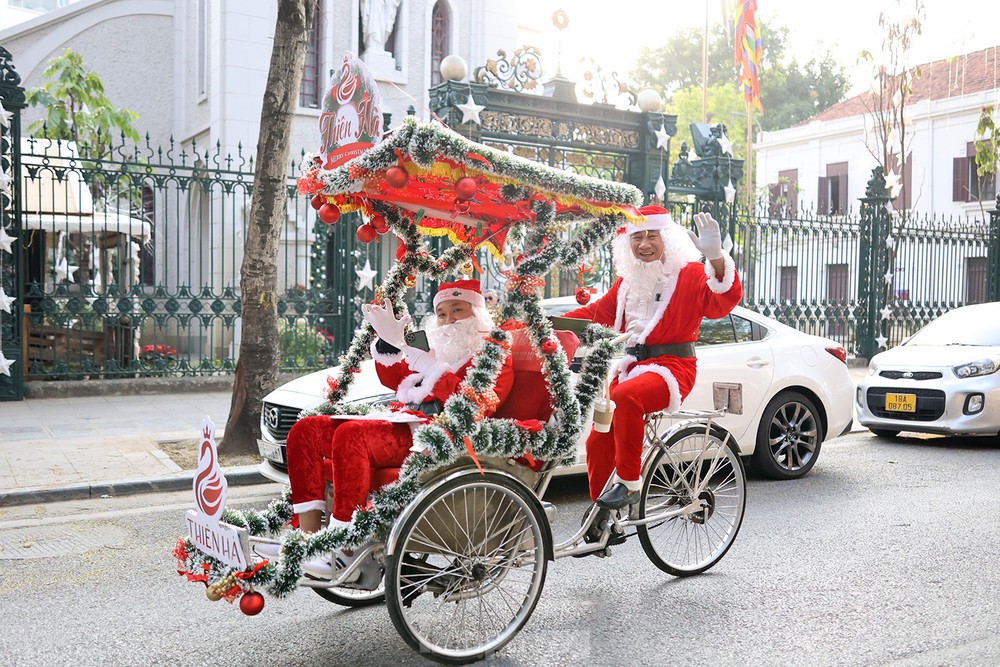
901 402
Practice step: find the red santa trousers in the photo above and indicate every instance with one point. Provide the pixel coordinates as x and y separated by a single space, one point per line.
621 447
355 447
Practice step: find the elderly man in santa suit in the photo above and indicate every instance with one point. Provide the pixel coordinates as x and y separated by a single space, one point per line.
661 295
422 380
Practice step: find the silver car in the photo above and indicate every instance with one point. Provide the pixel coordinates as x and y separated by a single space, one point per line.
796 392
943 379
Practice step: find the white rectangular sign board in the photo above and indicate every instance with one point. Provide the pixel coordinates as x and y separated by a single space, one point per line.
221 540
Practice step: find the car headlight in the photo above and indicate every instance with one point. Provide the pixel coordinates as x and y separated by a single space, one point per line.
872 368
976 368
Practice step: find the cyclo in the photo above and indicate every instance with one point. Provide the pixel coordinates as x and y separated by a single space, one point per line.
458 544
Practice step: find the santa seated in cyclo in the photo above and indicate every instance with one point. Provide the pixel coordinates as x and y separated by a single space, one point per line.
357 449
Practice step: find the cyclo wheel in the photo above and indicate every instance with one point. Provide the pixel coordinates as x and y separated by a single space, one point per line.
694 464
468 567
351 597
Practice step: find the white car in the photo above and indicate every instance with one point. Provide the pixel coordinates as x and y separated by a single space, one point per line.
943 379
796 392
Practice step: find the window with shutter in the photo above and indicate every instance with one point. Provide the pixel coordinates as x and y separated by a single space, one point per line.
960 179
823 196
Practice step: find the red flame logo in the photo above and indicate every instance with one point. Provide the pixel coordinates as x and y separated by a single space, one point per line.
209 484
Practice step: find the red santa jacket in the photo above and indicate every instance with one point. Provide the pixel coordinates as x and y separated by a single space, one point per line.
690 294
413 387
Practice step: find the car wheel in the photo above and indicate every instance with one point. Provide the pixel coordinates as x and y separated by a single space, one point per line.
789 437
884 432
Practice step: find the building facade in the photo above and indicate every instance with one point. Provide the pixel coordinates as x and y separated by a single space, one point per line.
823 164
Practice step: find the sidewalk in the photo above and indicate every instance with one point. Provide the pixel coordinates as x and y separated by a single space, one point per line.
84 446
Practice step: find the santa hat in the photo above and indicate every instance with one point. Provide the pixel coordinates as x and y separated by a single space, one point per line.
656 218
461 290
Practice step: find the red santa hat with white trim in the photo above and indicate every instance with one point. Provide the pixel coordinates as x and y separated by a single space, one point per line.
656 218
469 291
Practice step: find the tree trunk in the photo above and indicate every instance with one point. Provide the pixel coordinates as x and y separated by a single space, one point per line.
257 369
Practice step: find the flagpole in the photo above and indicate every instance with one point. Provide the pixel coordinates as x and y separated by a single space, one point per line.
704 70
749 166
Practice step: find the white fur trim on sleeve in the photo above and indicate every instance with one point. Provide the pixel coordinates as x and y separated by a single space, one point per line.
668 377
385 359
409 392
309 506
728 276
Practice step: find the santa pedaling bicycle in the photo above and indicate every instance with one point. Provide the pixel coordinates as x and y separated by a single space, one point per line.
436 506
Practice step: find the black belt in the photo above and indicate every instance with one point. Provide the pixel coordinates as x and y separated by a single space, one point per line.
643 352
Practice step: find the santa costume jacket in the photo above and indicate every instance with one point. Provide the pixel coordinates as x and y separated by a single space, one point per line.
691 291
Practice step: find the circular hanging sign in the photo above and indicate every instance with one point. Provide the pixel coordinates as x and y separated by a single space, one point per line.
351 121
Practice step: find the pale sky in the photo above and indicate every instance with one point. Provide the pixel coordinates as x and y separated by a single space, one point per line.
611 31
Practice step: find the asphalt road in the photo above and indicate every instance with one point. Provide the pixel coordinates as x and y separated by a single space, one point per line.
885 554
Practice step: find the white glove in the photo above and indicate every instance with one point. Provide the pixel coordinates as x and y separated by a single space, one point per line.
424 362
709 237
385 324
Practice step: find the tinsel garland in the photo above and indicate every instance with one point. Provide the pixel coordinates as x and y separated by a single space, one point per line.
462 419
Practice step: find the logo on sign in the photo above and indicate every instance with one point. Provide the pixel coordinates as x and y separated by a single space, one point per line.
351 121
210 484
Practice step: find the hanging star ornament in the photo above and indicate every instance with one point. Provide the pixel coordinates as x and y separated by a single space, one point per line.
726 144
662 138
730 192
886 312
5 117
65 270
6 240
892 184
889 275
365 276
889 242
470 111
5 365
660 188
881 340
6 301
4 183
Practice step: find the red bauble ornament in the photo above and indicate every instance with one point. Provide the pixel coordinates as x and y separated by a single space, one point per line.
317 201
379 223
396 177
329 213
582 296
366 233
252 603
549 346
466 188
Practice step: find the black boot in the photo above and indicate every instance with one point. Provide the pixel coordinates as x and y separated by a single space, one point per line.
617 497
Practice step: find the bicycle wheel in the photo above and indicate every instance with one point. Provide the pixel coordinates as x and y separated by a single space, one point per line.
468 569
352 597
700 471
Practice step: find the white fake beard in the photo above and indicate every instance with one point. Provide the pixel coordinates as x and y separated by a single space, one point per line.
641 277
455 343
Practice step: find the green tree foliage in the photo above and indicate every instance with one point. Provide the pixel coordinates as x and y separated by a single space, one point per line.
77 109
987 147
790 92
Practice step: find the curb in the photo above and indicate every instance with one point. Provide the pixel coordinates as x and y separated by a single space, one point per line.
242 476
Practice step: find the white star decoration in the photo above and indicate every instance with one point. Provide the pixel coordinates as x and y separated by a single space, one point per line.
6 240
662 138
6 301
5 117
726 144
660 188
730 192
889 242
470 111
365 276
892 184
65 271
889 275
5 365
886 312
881 340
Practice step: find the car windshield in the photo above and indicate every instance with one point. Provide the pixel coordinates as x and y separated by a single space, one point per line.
965 326
557 309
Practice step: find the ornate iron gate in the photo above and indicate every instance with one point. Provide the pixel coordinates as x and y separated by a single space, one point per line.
11 278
